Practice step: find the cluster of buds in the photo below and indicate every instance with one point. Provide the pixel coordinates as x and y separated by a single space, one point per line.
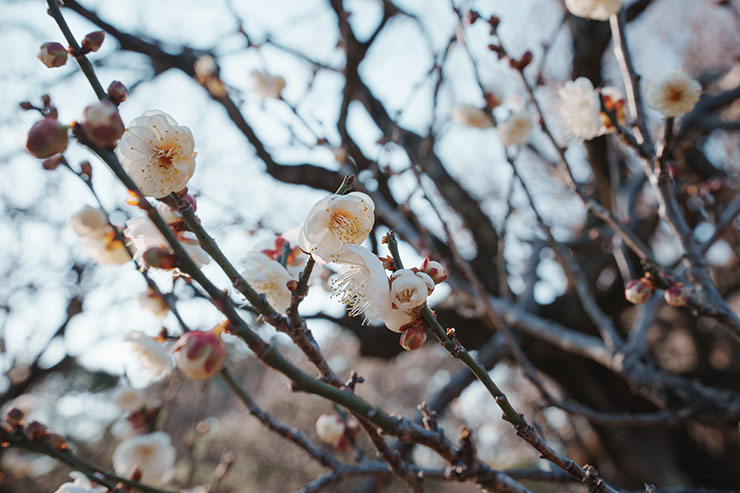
34 430
337 431
200 354
640 290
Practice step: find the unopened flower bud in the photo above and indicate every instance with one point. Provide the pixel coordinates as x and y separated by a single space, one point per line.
117 92
56 441
14 417
26 105
102 124
638 290
677 295
434 269
159 258
413 338
36 431
330 428
200 355
52 54
46 138
93 41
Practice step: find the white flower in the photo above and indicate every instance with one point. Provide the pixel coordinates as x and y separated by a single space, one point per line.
157 154
675 95
335 221
98 237
129 399
329 428
410 289
122 429
80 485
144 235
89 222
472 116
153 454
599 10
152 302
361 283
270 278
516 129
152 355
580 108
267 86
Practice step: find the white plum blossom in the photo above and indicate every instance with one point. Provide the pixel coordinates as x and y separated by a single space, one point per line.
329 428
472 116
80 485
144 234
129 399
335 221
410 289
152 355
152 453
362 284
516 129
675 95
157 153
580 108
599 10
153 302
98 237
123 428
267 86
270 278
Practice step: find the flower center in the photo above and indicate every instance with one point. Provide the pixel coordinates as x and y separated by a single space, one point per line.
165 153
675 94
345 225
405 295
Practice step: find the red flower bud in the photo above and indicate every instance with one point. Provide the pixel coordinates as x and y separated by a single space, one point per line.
46 138
93 41
638 290
117 92
159 258
677 295
52 54
14 417
200 355
434 269
36 431
413 338
56 441
102 124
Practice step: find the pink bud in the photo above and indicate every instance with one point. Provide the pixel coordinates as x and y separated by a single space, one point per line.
638 290
677 295
14 417
46 138
434 269
159 258
330 428
413 338
199 355
102 124
117 92
93 41
52 54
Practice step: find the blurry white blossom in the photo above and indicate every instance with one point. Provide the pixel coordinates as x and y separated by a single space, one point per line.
157 153
599 10
144 234
80 485
270 278
153 302
675 95
329 428
335 221
153 454
472 116
516 129
580 108
98 237
129 399
267 86
152 355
